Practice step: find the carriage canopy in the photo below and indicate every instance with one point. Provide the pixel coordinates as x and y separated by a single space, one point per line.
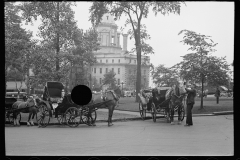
53 89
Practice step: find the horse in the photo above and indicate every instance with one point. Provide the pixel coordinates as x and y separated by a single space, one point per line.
113 95
175 100
30 106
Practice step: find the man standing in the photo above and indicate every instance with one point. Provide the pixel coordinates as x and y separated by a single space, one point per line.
190 102
217 94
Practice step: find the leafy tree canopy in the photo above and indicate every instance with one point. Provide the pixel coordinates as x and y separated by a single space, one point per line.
109 78
164 76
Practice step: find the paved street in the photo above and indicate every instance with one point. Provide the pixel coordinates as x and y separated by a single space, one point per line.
209 136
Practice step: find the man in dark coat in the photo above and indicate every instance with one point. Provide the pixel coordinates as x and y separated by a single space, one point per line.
217 94
190 102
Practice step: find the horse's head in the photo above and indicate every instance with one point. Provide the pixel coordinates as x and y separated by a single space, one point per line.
31 101
176 97
117 92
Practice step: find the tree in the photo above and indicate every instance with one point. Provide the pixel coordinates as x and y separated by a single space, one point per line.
82 54
163 76
135 11
109 78
18 45
57 25
200 66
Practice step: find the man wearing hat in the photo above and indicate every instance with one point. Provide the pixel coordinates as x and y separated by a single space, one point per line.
191 91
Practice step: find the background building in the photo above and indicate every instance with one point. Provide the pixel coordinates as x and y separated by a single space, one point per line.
112 56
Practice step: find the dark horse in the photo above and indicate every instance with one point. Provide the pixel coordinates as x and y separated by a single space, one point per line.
25 107
176 101
113 96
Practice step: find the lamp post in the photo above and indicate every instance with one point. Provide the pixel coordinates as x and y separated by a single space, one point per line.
122 87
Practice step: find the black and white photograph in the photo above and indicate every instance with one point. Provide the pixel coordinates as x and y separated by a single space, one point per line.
119 78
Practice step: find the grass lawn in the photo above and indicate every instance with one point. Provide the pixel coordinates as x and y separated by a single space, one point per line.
209 105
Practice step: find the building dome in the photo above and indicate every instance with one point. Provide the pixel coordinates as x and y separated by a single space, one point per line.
108 18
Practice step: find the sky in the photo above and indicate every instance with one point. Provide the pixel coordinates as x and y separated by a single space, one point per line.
215 19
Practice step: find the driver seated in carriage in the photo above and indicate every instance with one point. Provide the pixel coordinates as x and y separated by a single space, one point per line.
63 102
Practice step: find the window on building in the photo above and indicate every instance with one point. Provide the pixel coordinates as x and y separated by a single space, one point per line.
106 61
100 80
100 61
107 17
135 61
118 70
94 70
113 61
112 39
119 61
113 69
118 81
100 70
106 70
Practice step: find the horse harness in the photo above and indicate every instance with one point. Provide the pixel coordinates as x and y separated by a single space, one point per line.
104 98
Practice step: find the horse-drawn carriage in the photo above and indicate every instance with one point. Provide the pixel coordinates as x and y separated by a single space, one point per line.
66 111
155 102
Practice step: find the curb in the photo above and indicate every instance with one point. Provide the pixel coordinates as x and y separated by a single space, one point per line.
223 113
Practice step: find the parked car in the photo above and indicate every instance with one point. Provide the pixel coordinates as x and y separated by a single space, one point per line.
127 94
15 94
12 97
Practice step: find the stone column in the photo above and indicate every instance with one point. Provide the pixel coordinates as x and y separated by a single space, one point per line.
125 36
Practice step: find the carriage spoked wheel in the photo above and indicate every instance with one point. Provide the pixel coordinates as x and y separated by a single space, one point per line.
142 110
153 112
182 112
87 118
43 116
72 117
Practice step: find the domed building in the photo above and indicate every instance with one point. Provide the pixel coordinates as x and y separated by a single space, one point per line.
112 56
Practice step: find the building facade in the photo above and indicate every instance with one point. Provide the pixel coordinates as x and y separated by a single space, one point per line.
112 56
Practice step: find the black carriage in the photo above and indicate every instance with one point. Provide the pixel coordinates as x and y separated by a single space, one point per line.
64 109
153 104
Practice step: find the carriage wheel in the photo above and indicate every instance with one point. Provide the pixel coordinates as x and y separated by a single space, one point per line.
72 117
6 116
10 118
182 113
153 112
61 118
43 116
94 115
142 111
86 119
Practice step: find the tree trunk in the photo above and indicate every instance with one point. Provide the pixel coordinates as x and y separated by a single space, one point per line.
57 44
138 85
201 107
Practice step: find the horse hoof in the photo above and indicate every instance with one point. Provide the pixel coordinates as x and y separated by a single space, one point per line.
93 124
110 124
